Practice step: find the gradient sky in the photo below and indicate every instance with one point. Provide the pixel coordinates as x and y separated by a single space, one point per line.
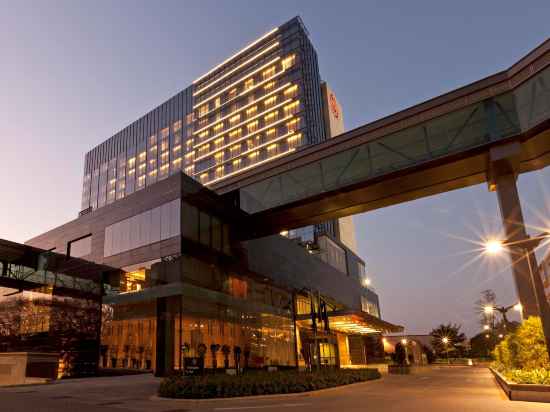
73 73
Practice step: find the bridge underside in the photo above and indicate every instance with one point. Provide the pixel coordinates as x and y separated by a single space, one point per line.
431 178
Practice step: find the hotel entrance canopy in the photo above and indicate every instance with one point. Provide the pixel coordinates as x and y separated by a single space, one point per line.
353 323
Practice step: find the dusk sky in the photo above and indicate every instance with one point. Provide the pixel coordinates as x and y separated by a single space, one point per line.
74 73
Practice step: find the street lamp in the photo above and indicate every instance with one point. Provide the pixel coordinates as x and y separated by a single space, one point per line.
528 245
486 327
445 341
488 309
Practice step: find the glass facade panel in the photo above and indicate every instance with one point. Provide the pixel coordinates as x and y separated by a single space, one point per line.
204 228
81 247
148 227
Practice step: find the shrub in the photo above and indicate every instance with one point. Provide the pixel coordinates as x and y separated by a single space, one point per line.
260 383
522 355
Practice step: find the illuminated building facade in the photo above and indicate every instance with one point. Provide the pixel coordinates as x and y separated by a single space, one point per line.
260 104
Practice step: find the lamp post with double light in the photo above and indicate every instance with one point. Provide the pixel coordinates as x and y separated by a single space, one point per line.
527 246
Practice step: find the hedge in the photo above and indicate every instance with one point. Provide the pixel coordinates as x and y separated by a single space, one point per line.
260 383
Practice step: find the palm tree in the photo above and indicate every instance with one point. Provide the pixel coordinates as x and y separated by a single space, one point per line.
447 338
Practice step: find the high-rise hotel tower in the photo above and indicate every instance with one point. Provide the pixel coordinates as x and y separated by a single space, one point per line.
262 103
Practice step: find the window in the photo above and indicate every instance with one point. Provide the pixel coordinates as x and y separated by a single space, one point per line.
291 91
235 150
204 228
219 158
270 133
293 125
203 110
267 73
251 111
164 133
217 102
248 84
271 117
80 247
234 119
189 170
160 223
271 101
235 134
236 164
232 93
269 86
219 171
219 142
272 149
252 127
288 62
176 127
218 128
294 141
292 108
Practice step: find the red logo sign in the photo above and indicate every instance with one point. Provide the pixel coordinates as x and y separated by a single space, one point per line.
333 106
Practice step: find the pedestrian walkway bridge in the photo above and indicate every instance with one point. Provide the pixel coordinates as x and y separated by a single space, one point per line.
433 147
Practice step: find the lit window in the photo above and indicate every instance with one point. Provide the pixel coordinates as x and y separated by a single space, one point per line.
294 141
217 101
164 145
269 86
176 127
176 163
236 164
203 150
142 156
235 134
270 133
232 93
141 181
219 171
251 111
164 133
293 125
271 101
153 140
176 148
164 157
292 91
292 108
203 135
288 62
218 128
249 84
189 170
131 172
234 119
268 72
271 117
272 149
252 127
141 167
250 144
219 142
235 150
203 110
253 156
153 151
189 144
189 118
219 157
204 177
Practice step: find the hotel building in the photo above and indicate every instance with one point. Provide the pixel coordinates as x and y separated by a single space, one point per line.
188 280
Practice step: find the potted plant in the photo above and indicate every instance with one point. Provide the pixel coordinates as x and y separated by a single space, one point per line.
226 350
400 365
214 348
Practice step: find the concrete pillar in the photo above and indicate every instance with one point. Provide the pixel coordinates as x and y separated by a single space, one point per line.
164 362
503 169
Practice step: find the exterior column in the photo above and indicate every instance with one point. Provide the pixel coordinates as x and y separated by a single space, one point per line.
165 338
503 168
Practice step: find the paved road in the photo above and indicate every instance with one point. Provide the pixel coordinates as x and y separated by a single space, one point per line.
459 389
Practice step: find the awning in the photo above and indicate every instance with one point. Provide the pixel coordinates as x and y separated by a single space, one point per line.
355 323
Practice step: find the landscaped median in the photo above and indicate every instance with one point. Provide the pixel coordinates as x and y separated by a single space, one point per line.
260 383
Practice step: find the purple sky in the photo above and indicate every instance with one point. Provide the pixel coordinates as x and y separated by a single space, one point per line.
73 73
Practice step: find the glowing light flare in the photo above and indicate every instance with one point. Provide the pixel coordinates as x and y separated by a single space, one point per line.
493 246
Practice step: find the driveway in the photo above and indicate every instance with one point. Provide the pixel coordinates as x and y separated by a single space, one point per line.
445 389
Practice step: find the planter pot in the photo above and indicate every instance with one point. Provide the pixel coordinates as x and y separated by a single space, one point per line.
399 369
522 392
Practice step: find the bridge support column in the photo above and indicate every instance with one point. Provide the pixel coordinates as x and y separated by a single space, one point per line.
503 170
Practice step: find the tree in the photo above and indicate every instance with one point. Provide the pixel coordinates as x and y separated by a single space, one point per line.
400 355
454 338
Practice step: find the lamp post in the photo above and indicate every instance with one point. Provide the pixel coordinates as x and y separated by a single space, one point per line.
527 247
502 310
445 341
